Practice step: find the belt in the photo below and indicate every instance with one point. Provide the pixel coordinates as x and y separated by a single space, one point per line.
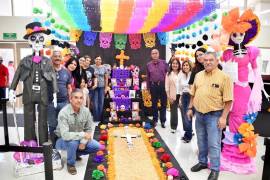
36 87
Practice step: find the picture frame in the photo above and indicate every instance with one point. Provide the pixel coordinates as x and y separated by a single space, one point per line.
132 93
113 106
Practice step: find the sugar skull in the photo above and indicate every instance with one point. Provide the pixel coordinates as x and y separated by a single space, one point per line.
89 38
37 41
149 39
135 71
105 40
163 38
135 41
237 38
120 41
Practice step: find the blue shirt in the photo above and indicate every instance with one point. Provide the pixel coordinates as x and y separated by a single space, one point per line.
63 78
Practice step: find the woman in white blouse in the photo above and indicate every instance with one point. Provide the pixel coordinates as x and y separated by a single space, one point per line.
172 90
184 100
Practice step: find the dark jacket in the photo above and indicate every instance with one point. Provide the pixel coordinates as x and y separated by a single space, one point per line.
25 73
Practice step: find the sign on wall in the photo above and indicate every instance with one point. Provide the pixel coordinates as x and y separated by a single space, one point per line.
9 36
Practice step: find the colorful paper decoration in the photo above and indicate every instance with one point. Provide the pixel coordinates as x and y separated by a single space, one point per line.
108 9
89 38
122 57
149 39
163 38
120 41
105 40
135 41
75 34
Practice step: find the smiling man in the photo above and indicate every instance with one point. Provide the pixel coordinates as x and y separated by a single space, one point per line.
75 130
211 96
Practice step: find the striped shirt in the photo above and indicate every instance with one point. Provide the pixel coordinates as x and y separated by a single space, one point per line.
211 90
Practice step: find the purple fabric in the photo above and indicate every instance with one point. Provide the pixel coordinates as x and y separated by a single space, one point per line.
140 13
120 73
174 9
156 71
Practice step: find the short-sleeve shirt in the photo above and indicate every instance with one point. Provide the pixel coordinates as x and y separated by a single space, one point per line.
211 91
90 76
63 78
3 75
100 75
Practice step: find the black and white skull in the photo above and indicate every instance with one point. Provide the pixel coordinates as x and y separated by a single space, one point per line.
237 37
37 41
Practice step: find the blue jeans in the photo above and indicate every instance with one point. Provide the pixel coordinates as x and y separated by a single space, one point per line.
53 115
187 124
72 149
98 103
209 138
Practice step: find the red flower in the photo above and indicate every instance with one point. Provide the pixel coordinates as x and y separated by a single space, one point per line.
165 157
103 137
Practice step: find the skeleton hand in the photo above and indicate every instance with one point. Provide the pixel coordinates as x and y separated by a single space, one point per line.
54 100
12 96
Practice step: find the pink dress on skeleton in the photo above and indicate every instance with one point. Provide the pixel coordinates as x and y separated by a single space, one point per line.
232 159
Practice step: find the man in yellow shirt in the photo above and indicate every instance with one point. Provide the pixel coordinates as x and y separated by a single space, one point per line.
211 96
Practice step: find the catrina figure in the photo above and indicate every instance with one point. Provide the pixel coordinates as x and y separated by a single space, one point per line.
35 71
239 147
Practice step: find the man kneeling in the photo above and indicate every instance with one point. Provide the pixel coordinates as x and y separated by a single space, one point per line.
74 130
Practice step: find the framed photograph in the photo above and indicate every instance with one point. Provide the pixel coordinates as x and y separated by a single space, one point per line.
135 106
113 82
113 115
128 82
111 94
135 116
113 106
132 93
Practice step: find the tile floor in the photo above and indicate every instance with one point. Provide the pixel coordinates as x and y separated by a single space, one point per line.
186 155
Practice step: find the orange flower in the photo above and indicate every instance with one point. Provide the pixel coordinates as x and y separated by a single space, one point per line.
248 147
246 129
100 153
169 165
101 142
130 125
100 167
233 22
138 125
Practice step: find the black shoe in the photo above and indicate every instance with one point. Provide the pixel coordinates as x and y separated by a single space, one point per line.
162 125
198 167
213 175
186 140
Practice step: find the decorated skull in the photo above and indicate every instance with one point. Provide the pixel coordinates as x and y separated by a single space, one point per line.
149 39
135 41
89 38
105 40
237 38
37 41
163 38
120 41
135 71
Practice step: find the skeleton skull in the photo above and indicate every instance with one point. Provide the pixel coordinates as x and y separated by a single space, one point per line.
237 38
149 39
135 41
37 41
105 40
89 38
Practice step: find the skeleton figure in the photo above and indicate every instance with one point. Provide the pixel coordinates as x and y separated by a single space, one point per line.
239 49
35 71
105 40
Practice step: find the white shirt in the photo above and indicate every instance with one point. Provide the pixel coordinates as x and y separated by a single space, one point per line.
183 83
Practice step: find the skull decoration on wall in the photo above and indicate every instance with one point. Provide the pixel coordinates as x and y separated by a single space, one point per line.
120 41
149 39
163 38
105 40
135 41
37 41
89 38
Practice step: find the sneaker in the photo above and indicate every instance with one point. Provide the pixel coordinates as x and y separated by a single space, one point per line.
71 169
162 125
173 131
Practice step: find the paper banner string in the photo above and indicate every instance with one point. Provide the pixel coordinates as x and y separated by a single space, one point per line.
89 38
149 39
175 8
76 11
120 41
124 15
75 34
140 12
157 11
163 38
135 41
185 16
92 11
105 40
108 9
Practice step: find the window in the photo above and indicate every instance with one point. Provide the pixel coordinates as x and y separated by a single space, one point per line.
5 8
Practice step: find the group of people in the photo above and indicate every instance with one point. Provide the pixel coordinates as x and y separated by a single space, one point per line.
203 90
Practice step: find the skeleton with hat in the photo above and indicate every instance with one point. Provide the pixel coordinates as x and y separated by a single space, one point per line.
35 71
240 141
